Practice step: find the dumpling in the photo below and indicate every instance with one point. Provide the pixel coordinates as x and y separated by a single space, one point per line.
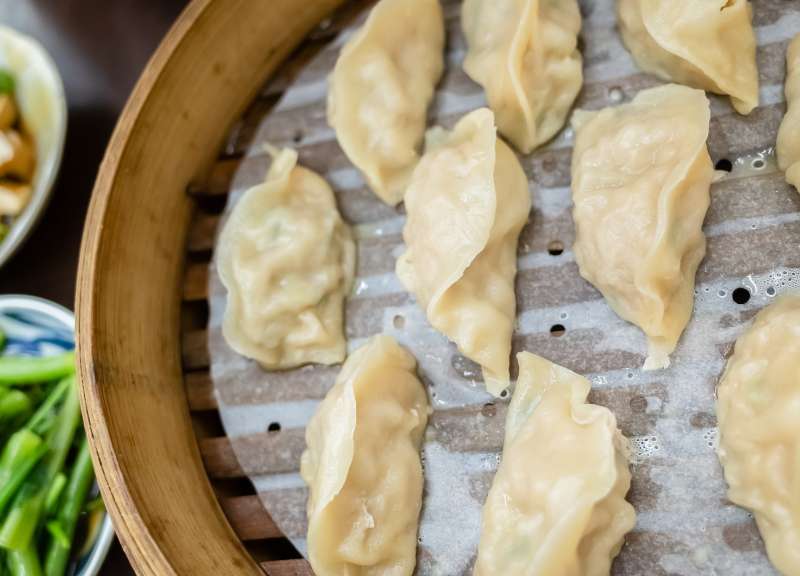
709 44
380 89
641 175
557 503
466 204
287 260
758 409
789 134
525 55
362 466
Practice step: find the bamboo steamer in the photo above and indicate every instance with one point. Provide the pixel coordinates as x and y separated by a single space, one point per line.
174 483
129 294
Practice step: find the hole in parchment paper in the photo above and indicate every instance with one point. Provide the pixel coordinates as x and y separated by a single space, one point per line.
557 330
298 136
274 427
724 164
555 248
639 404
399 322
616 94
489 409
770 291
758 163
741 295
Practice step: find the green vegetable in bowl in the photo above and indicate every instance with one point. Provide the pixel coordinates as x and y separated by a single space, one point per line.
6 82
46 473
17 370
24 515
80 481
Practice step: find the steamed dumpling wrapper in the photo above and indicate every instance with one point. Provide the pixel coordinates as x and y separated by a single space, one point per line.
467 203
707 44
287 260
641 176
362 465
788 147
557 503
758 408
380 90
525 55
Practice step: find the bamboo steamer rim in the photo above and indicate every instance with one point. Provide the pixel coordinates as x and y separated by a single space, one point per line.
211 63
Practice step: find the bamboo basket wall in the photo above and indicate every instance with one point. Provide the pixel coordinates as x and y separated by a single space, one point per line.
179 501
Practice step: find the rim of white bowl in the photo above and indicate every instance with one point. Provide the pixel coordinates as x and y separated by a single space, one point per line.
25 223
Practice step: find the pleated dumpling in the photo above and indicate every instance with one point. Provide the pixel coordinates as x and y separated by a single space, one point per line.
789 134
380 89
641 175
557 503
362 465
467 203
287 260
708 44
758 409
525 55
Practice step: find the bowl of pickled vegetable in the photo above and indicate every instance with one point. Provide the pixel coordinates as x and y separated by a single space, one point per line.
52 520
33 124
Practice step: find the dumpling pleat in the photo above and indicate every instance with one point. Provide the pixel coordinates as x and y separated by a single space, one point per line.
525 55
641 175
709 45
363 468
467 203
557 503
758 409
380 89
788 147
287 261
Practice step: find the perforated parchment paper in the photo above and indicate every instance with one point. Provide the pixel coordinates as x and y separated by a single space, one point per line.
685 523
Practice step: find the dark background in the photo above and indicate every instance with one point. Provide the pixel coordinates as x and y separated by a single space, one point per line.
100 47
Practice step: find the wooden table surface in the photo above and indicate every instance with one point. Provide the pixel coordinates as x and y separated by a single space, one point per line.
100 48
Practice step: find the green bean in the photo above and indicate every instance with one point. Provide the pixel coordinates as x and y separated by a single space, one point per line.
16 370
21 453
22 518
56 531
26 510
80 481
13 405
54 494
43 417
24 562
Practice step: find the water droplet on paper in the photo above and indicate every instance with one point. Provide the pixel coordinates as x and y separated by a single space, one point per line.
644 446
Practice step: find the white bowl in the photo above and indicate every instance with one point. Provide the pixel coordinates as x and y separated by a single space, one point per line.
34 326
39 94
